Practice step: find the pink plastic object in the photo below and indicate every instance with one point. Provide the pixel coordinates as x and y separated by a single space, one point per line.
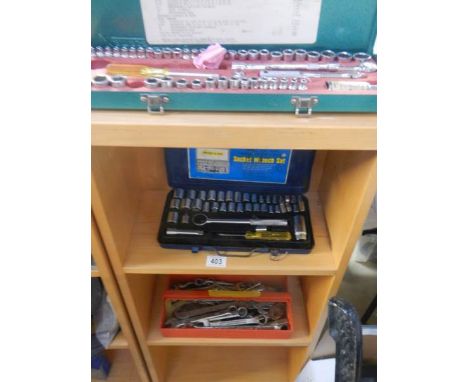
210 58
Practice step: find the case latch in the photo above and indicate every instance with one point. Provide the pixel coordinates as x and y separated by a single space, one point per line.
154 103
304 105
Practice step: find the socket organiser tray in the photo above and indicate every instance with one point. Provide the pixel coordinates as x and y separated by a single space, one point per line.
223 219
330 68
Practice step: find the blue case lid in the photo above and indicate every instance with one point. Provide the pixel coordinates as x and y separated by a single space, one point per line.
282 171
344 25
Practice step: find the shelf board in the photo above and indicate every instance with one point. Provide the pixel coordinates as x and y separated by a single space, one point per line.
300 337
119 342
186 364
122 367
146 256
322 131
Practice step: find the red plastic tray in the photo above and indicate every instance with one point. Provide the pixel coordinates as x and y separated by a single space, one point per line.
207 295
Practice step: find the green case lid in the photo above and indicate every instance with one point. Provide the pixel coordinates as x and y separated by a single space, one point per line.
344 25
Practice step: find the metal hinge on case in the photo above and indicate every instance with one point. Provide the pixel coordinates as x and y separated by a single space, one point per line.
304 105
154 103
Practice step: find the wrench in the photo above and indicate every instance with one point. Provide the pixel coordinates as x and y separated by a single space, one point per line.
201 219
259 320
181 315
294 73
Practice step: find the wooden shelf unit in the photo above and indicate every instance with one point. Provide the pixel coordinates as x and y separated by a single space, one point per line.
129 188
127 364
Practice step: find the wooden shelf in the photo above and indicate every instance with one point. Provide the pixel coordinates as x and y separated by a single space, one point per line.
188 364
300 337
146 256
122 367
328 131
119 342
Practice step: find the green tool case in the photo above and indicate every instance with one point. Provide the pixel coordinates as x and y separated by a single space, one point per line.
281 55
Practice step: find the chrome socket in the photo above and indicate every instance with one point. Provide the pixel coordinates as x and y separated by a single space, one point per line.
116 51
245 83
118 81
276 56
100 81
313 56
185 218
263 83
99 51
232 207
242 54
300 55
93 52
215 207
206 207
194 52
197 205
210 83
234 82
229 196
173 217
344 57
253 54
108 51
192 194
283 84
175 204
222 207
231 54
141 52
167 53
166 82
220 196
303 84
179 193
152 83
223 82
149 52
196 84
328 55
362 57
288 55
292 84
202 194
273 83
211 195
181 83
254 82
176 53
264 55
186 203
186 55
132 52
157 53
124 52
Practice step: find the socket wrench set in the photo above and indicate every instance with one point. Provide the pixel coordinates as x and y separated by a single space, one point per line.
333 72
237 200
228 219
227 306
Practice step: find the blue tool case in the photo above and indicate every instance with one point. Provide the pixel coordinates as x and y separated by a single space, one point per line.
247 191
281 55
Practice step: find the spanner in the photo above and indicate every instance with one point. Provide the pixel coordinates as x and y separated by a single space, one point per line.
259 320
